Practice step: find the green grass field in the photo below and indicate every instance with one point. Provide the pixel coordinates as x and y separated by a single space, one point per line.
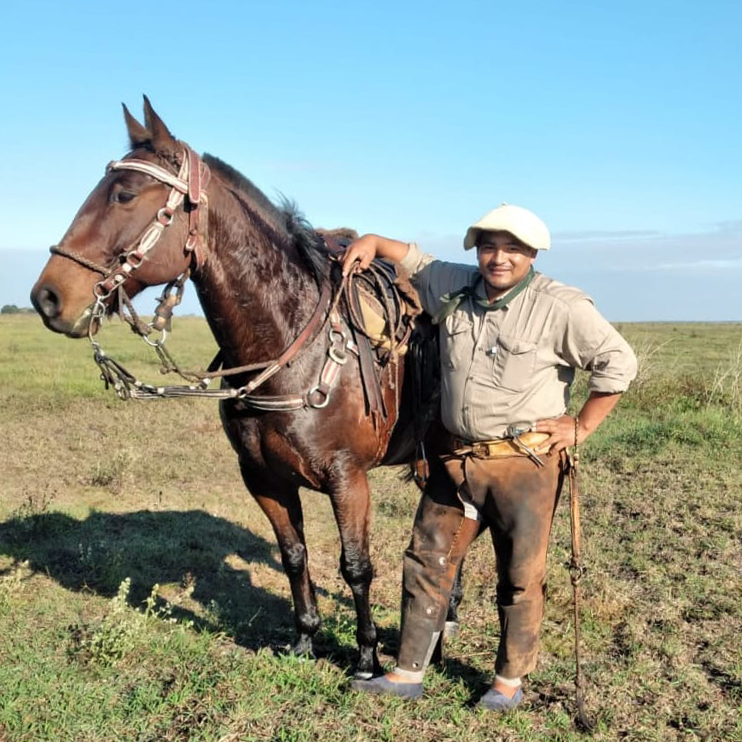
142 596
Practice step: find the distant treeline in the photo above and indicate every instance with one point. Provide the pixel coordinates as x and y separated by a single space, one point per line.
13 309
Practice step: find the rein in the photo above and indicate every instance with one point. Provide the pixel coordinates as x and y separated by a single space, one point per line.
576 573
127 386
187 188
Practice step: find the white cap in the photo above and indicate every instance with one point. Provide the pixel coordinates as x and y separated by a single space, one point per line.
520 222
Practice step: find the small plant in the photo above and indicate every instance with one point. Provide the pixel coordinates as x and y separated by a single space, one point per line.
725 388
116 634
113 637
111 472
10 582
30 514
648 361
35 504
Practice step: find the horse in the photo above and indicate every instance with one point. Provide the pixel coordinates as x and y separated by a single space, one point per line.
263 277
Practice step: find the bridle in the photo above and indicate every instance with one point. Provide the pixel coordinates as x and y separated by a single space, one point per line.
188 188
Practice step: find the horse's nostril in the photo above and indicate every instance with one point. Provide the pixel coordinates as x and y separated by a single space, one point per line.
48 302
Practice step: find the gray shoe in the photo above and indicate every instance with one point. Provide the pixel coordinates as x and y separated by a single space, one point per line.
386 687
493 700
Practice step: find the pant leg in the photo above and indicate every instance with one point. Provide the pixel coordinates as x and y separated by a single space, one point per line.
441 536
519 509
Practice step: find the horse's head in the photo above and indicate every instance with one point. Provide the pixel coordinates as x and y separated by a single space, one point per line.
138 227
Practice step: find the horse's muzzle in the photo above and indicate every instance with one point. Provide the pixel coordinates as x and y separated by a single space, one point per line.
48 303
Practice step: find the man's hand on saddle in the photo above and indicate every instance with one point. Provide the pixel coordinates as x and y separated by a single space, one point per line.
561 432
359 254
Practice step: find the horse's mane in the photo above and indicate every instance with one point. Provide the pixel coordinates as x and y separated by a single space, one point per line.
286 219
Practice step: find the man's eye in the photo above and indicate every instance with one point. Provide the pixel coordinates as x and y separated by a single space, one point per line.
123 197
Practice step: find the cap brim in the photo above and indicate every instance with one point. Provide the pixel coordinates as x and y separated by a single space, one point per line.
470 239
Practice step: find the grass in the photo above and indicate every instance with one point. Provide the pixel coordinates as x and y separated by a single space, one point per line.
142 597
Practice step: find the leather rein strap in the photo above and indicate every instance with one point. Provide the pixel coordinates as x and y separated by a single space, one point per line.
577 572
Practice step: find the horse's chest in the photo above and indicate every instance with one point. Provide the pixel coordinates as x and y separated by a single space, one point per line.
265 447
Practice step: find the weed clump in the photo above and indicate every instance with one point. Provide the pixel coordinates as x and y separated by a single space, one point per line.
115 635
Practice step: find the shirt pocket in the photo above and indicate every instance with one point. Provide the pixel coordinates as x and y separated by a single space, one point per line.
514 363
456 340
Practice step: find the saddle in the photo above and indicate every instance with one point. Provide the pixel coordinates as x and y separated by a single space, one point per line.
381 307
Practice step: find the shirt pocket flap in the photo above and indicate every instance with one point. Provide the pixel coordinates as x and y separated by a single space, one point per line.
516 346
456 340
457 323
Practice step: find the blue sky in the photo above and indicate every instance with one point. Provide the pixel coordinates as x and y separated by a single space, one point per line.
619 124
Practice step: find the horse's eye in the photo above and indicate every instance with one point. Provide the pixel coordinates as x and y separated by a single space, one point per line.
123 197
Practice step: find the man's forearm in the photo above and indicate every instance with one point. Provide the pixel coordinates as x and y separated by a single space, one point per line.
562 429
370 246
596 408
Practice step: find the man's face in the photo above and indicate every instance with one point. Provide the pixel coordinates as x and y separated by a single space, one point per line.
504 261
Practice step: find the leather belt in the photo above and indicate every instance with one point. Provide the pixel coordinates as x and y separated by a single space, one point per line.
519 445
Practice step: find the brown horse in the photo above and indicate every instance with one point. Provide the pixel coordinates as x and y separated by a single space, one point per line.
261 274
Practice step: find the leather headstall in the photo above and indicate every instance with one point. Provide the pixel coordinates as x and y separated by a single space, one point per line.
189 186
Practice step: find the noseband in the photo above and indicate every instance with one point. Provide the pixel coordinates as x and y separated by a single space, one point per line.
190 181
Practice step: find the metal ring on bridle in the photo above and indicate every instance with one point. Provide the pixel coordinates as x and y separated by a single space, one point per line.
165 216
159 341
318 405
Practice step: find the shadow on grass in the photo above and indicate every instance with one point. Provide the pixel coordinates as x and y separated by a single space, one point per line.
188 549
190 552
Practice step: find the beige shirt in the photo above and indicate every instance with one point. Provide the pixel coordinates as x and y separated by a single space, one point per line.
515 365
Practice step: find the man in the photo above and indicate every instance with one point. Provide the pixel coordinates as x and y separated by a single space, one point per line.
510 340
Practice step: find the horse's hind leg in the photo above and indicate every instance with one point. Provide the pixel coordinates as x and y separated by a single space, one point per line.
283 509
351 503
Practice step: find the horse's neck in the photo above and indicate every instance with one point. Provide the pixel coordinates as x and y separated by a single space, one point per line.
257 294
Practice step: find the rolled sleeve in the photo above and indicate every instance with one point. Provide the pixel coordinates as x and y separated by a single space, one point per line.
415 260
592 343
432 278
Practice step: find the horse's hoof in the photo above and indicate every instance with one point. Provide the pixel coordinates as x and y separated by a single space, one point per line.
451 629
368 665
303 648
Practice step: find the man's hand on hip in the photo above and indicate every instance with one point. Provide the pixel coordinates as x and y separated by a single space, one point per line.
561 434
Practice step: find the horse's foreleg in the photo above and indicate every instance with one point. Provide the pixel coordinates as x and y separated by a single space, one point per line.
352 503
457 593
283 509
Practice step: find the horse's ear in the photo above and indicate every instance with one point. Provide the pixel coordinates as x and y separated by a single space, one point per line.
138 135
162 139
